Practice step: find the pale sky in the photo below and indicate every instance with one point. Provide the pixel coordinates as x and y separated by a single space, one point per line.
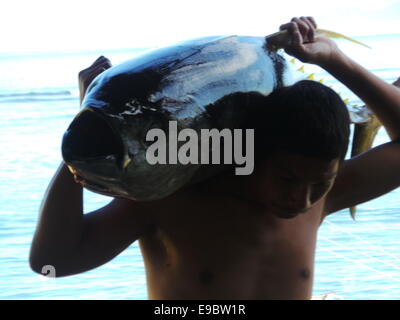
74 25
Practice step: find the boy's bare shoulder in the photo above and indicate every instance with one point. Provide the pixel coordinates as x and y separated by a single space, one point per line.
133 218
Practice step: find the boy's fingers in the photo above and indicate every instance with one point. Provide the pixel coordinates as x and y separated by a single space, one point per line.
101 59
284 26
311 28
105 64
97 71
297 38
312 20
106 60
99 63
306 26
303 27
301 30
291 27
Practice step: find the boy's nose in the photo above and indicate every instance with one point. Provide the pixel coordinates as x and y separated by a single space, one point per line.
300 199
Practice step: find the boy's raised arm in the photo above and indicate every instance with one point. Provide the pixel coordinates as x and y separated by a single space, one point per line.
60 225
73 242
377 171
382 98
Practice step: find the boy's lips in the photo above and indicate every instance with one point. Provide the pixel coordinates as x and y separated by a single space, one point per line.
290 212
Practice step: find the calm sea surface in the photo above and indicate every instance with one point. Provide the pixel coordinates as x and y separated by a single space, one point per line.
38 99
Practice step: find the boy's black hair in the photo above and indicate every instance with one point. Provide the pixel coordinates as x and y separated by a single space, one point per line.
306 118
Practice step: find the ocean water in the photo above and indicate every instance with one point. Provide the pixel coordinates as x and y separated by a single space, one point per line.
38 99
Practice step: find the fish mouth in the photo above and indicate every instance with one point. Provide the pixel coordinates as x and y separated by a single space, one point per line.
84 182
91 143
91 136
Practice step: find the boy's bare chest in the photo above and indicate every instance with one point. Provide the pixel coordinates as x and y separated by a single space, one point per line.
225 248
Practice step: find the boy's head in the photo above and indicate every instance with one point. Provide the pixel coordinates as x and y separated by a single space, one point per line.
306 118
301 137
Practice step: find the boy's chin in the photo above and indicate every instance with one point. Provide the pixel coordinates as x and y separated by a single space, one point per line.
286 215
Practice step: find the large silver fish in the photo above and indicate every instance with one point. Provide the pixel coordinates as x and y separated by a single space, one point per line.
194 83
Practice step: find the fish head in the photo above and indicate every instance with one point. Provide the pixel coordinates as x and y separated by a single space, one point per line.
105 145
105 148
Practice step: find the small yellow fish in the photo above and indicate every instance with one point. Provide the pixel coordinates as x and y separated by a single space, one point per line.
363 138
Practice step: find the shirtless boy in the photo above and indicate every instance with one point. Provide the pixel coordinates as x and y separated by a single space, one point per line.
237 237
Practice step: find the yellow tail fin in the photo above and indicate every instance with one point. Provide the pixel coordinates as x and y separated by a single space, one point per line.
331 34
282 37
